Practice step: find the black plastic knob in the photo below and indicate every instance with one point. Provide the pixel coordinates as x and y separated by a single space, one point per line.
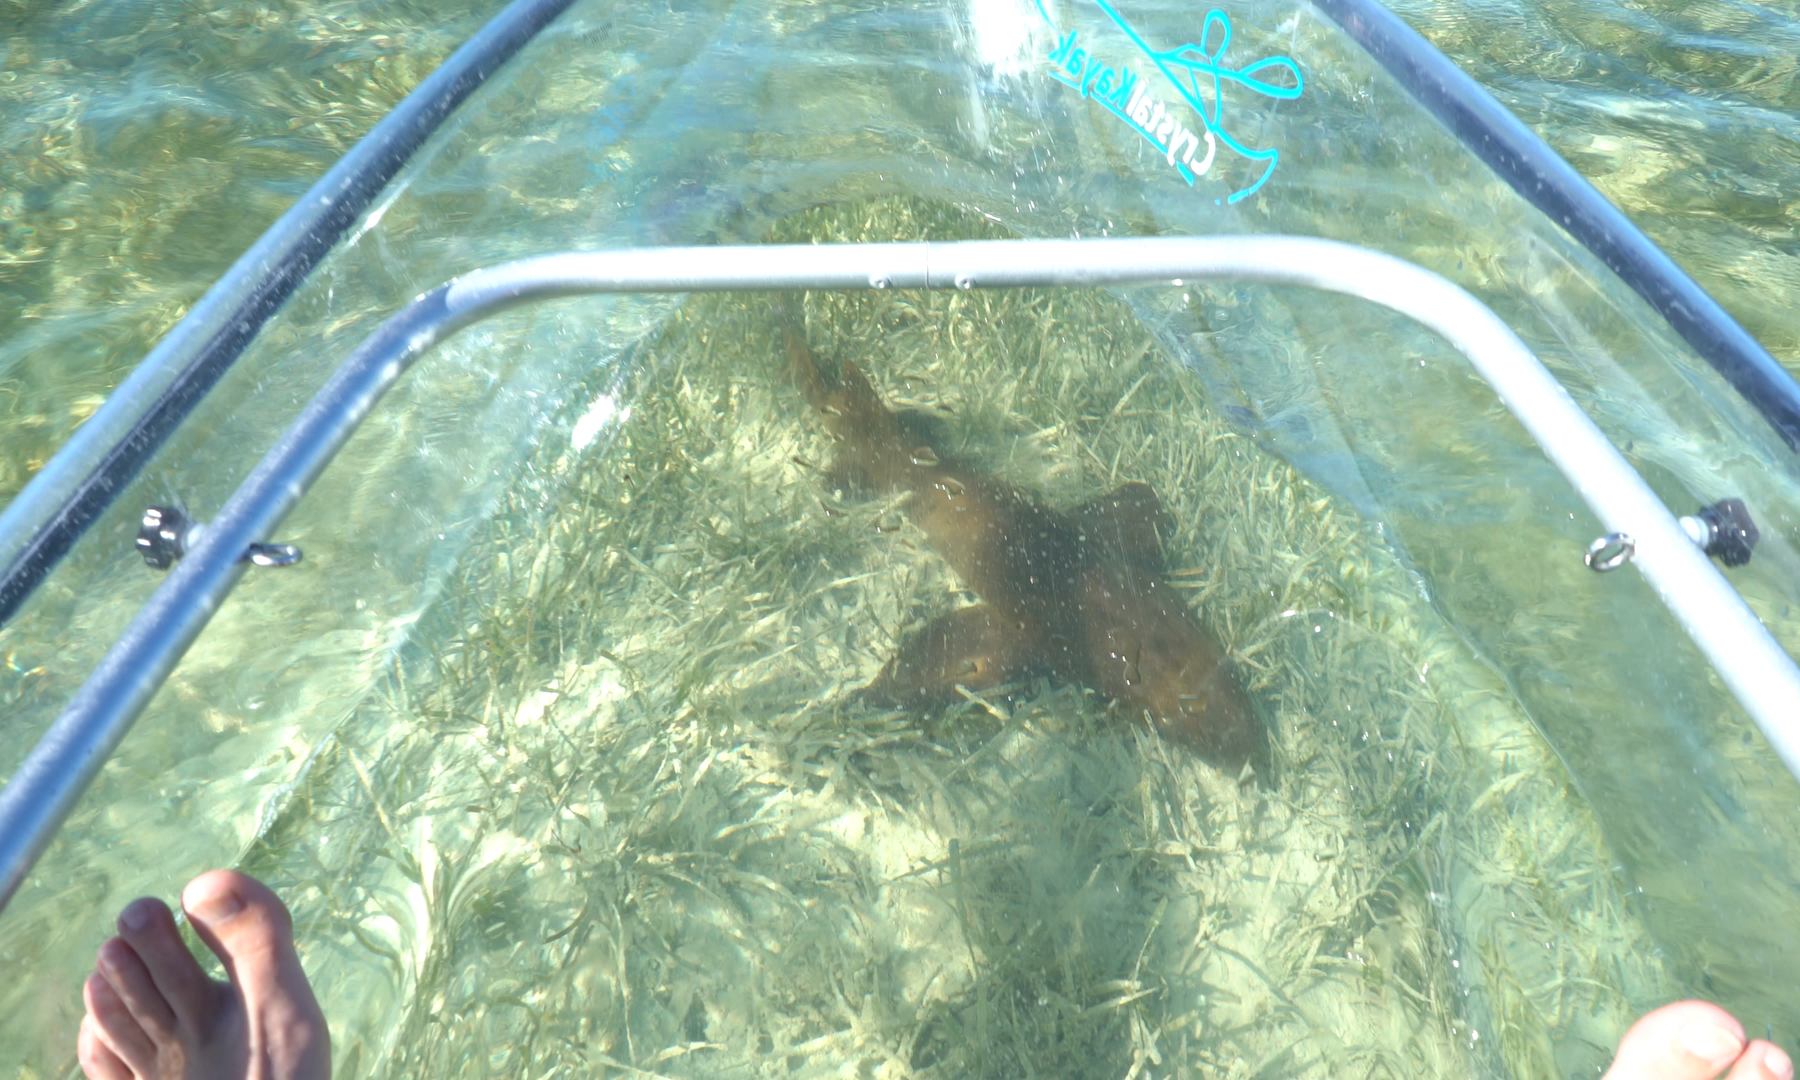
163 538
1734 535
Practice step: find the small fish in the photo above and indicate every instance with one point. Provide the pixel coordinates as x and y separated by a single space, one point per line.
1078 595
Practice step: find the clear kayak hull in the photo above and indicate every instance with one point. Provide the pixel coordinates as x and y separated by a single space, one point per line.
555 728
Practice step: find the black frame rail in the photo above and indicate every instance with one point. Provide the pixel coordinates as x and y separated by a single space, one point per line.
105 454
1529 165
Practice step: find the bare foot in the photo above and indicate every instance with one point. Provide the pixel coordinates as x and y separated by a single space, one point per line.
1692 1040
152 1014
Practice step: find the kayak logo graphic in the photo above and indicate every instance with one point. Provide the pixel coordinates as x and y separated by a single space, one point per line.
1197 73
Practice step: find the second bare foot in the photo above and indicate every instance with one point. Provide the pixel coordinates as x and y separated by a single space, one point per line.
1692 1040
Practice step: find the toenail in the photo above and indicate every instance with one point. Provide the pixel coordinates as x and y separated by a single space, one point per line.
216 909
136 915
1711 1043
1778 1064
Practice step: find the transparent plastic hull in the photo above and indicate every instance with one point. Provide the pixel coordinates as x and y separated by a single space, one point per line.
554 741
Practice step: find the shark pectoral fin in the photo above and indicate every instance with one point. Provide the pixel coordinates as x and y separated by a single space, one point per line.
973 647
1127 523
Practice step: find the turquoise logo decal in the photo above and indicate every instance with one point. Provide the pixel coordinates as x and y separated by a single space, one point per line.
1197 73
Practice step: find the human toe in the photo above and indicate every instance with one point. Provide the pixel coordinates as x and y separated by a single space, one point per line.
246 924
1762 1061
129 978
113 1025
149 928
97 1060
1689 1040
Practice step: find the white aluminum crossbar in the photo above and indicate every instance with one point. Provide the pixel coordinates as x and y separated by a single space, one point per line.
1763 678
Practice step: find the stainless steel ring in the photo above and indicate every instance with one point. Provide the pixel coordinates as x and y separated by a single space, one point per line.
273 554
1623 541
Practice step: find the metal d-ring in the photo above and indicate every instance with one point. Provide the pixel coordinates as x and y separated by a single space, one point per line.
1623 541
273 554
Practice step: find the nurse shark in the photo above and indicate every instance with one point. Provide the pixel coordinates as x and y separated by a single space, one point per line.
1077 595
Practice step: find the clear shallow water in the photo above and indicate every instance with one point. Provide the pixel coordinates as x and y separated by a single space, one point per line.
143 147
1687 115
428 891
